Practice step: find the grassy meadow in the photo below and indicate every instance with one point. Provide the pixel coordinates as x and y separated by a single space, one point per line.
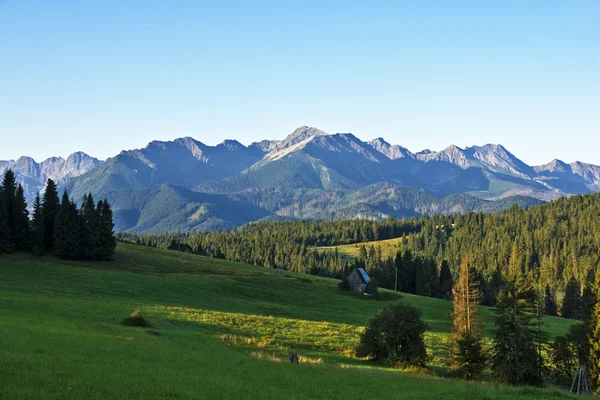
220 330
348 252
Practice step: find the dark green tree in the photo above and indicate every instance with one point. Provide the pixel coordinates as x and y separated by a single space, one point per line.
91 225
68 231
549 302
572 304
50 206
20 216
6 243
446 282
395 337
106 243
564 363
37 228
515 359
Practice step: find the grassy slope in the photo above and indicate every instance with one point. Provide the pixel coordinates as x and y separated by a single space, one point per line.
349 252
225 330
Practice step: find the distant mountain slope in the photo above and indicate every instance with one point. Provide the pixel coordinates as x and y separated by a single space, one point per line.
168 208
171 208
33 175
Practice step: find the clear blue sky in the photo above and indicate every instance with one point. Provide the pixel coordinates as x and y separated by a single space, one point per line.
101 76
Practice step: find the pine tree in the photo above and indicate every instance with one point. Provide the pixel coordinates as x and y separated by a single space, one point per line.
106 244
9 187
50 206
549 302
572 303
515 359
466 343
91 225
446 282
7 194
67 231
37 228
20 215
6 242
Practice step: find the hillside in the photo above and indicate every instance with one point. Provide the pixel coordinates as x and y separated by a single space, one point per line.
168 208
216 326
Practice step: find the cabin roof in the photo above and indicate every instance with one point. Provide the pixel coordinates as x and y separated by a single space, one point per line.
363 275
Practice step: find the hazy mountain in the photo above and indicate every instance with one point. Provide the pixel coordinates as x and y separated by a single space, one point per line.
168 208
391 152
308 174
185 162
492 157
33 175
171 208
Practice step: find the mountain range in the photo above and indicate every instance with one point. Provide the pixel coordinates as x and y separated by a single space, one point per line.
185 184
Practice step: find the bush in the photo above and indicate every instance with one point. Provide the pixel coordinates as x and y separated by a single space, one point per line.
372 287
395 337
136 319
344 285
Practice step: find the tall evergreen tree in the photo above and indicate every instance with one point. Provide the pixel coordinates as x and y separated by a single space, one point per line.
37 228
446 282
106 244
6 241
67 231
9 187
515 357
466 343
20 216
50 206
91 225
572 304
549 302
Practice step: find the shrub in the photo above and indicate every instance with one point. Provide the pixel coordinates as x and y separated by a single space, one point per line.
395 337
344 285
136 319
372 287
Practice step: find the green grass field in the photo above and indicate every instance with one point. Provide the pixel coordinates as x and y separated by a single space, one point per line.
349 252
220 330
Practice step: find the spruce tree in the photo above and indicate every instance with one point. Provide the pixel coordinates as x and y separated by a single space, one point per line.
9 188
37 228
91 225
515 359
67 231
572 304
6 242
446 282
549 302
50 206
466 343
20 216
106 243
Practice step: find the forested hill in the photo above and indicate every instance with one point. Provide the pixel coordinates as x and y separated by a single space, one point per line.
558 244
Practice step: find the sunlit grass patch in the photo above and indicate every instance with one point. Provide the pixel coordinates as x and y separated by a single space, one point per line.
269 331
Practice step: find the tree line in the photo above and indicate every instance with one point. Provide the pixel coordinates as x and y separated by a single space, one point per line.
57 226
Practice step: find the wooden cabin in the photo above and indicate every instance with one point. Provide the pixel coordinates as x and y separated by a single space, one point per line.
358 280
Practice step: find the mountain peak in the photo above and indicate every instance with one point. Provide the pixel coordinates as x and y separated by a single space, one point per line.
379 142
391 152
302 133
231 144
